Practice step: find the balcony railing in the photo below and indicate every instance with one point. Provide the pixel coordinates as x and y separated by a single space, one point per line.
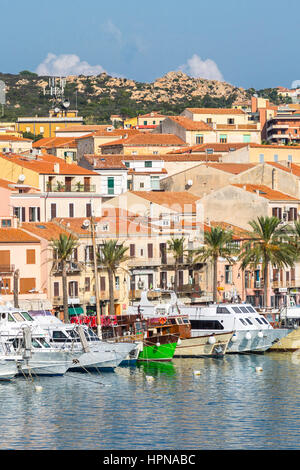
75 188
7 268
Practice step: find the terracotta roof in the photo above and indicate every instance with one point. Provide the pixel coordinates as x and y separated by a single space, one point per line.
46 230
106 162
266 192
234 127
217 147
51 142
152 114
169 198
44 164
145 139
16 235
190 125
120 221
238 232
13 138
234 168
284 147
292 168
5 183
216 111
83 128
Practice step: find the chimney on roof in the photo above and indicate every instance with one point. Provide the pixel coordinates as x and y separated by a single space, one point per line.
56 168
274 179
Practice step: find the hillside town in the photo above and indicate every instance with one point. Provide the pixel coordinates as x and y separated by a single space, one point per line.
157 185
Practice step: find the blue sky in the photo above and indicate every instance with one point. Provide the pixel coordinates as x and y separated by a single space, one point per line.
249 43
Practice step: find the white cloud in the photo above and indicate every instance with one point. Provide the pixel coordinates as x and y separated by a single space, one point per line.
110 28
295 84
67 64
198 68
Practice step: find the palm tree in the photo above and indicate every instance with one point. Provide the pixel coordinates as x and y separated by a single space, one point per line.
217 243
111 256
63 248
268 245
176 247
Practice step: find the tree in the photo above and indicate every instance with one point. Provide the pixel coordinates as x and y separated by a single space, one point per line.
63 248
268 245
111 256
176 247
217 243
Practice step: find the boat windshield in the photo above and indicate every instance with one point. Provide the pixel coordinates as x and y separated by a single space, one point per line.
10 318
92 335
27 316
17 316
35 343
44 343
243 321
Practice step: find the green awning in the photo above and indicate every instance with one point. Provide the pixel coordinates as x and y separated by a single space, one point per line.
75 311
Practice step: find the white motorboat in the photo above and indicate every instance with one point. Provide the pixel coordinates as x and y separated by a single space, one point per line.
8 362
91 352
251 331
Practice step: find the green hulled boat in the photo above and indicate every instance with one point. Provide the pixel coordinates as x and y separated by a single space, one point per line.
158 348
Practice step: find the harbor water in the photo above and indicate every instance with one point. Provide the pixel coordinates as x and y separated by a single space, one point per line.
230 405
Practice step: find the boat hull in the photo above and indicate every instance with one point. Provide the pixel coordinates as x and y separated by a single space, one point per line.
200 346
243 344
291 342
46 363
8 369
159 348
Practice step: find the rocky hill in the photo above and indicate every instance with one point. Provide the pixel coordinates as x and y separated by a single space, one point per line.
97 97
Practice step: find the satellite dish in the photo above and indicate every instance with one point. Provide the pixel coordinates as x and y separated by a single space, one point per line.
22 178
190 182
66 103
86 223
56 110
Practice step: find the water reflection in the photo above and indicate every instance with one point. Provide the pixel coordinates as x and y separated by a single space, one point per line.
228 406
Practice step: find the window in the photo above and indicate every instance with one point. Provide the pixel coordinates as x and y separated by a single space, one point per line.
208 120
243 321
230 121
236 309
87 284
145 123
206 325
88 209
102 283
150 250
199 139
30 256
261 158
222 310
27 285
117 282
110 185
228 274
258 321
290 158
127 164
148 164
154 182
42 130
246 138
34 214
56 289
53 211
5 223
223 138
249 321
73 289
71 210
19 212
142 185
132 250
275 158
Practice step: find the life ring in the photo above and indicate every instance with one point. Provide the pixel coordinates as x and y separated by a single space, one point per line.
162 320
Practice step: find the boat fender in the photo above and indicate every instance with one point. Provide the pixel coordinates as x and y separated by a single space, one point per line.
197 372
211 340
179 341
234 338
248 336
260 334
258 369
157 344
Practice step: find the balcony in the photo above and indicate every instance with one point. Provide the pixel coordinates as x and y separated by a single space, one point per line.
74 268
74 188
7 268
147 262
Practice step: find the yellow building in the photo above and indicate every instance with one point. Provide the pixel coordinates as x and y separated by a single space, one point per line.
130 122
47 126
